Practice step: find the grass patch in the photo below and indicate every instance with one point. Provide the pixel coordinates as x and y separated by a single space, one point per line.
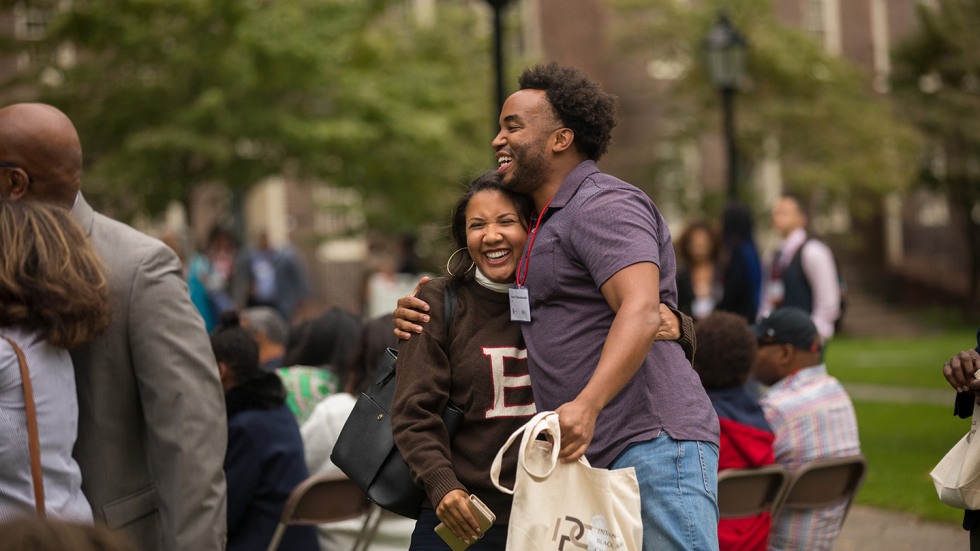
902 443
914 362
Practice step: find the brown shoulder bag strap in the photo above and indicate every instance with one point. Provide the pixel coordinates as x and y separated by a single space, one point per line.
34 442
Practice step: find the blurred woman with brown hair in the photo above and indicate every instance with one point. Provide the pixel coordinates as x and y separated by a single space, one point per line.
53 296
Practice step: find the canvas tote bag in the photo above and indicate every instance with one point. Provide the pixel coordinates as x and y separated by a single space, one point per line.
563 506
957 476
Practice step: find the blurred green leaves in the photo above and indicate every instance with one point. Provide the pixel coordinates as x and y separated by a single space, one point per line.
937 82
169 94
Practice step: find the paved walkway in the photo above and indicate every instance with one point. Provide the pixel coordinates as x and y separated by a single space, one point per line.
901 394
871 529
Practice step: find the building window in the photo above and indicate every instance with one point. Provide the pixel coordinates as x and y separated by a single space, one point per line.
30 22
813 18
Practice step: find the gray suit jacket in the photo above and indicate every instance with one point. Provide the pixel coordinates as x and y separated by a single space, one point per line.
152 429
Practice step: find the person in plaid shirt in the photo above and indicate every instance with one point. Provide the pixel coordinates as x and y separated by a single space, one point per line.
811 415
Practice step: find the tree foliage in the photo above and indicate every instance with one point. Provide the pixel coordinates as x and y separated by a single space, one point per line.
835 137
937 82
169 94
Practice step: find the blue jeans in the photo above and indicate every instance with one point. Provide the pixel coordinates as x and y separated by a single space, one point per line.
424 538
678 492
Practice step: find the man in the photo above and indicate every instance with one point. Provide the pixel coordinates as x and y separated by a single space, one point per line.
811 415
961 373
267 276
803 271
597 267
270 331
151 431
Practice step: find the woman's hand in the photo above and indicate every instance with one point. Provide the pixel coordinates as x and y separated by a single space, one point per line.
454 512
670 326
410 311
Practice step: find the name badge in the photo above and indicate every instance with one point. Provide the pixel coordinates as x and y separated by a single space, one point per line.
520 304
776 292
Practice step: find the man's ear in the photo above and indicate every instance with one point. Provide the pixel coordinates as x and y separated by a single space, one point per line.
787 354
17 184
564 137
224 372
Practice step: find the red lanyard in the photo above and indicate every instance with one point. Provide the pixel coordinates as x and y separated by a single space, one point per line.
526 259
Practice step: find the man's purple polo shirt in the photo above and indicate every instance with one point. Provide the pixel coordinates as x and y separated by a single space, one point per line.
595 226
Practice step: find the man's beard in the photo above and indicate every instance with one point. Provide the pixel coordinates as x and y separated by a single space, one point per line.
531 172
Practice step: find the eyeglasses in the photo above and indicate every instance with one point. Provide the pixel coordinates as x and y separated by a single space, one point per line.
4 164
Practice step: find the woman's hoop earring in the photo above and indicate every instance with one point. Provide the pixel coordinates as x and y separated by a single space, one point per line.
450 261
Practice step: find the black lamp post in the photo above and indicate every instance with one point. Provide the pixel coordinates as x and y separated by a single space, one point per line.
724 49
498 51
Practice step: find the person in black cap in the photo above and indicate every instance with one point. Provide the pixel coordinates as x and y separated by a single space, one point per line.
811 415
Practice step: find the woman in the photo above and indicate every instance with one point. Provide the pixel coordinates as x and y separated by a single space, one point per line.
481 361
53 297
741 270
264 461
697 281
321 430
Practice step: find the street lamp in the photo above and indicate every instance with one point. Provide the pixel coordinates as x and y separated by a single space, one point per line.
724 50
498 51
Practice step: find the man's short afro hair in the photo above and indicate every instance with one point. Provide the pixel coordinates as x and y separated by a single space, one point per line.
579 104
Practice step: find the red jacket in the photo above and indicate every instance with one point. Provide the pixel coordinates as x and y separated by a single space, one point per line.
744 446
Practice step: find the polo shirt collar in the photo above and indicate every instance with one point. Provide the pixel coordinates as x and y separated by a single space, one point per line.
571 183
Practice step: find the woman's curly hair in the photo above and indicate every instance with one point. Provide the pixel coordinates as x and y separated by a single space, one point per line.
578 103
683 243
51 280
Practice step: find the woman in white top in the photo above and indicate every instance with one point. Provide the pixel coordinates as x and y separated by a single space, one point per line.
321 430
53 297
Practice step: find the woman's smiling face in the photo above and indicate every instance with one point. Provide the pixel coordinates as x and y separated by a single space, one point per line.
495 235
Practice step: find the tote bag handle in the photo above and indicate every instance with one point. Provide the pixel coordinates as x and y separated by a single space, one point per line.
543 421
34 444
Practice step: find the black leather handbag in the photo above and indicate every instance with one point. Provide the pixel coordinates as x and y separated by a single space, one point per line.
365 450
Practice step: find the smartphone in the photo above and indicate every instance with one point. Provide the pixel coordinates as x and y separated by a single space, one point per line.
484 517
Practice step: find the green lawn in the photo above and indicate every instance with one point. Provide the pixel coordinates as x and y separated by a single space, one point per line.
903 442
902 362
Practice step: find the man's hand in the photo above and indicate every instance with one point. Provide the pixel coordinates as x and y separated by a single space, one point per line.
454 512
409 312
961 371
670 326
577 422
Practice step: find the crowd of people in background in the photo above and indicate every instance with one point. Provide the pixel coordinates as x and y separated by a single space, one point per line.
722 268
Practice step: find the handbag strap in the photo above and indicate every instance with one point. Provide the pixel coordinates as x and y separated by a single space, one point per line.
34 444
449 309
